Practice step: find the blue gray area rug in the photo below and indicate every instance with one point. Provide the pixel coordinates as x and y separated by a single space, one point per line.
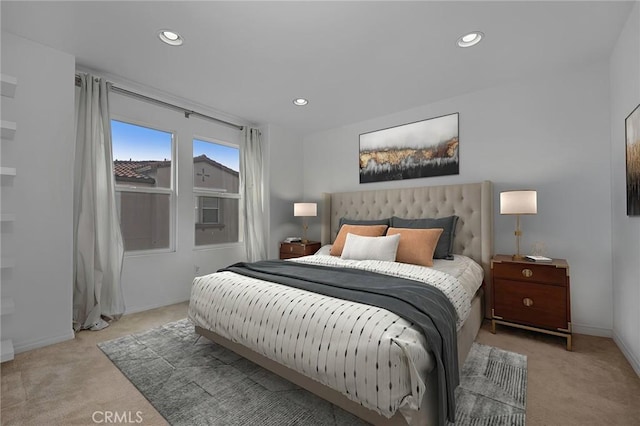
192 381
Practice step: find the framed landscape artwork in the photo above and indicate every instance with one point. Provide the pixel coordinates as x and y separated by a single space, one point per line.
422 149
632 133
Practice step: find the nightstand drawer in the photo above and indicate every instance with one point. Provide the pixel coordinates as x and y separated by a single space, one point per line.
291 250
548 274
531 303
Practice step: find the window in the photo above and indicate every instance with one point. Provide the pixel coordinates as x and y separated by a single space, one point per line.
209 210
216 186
143 172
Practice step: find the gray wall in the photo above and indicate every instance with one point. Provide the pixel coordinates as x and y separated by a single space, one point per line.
41 194
284 184
551 135
625 96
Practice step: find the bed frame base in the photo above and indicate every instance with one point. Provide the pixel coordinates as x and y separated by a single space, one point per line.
428 413
315 387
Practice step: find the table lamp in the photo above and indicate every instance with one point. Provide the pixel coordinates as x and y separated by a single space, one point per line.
517 203
305 210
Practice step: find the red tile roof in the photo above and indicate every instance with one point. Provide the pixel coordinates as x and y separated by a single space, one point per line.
134 171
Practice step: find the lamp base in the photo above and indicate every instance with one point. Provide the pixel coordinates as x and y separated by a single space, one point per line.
304 241
517 257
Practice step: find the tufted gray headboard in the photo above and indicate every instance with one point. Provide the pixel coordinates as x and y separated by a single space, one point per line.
471 202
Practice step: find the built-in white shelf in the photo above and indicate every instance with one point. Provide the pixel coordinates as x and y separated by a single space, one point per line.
7 217
7 262
8 129
7 171
8 86
8 306
6 347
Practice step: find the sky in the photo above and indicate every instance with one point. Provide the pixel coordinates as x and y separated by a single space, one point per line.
223 154
142 143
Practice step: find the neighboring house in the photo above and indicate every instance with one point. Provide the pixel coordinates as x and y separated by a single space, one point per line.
145 217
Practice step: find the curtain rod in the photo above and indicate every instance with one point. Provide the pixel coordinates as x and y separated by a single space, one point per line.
187 112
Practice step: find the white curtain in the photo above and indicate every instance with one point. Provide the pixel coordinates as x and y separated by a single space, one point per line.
98 246
252 194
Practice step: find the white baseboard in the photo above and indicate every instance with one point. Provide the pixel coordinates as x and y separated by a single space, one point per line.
40 343
591 331
6 350
136 309
633 360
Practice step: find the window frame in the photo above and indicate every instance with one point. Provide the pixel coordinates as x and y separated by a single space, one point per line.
217 193
171 190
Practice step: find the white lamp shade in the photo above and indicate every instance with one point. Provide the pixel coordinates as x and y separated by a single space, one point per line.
519 202
305 209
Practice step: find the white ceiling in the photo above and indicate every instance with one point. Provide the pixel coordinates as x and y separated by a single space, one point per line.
352 60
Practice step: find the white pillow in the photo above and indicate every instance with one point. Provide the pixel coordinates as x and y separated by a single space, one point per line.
357 247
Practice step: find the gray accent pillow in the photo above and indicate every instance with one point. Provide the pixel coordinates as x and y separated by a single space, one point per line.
444 249
345 221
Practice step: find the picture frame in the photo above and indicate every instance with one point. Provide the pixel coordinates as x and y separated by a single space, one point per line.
420 149
632 152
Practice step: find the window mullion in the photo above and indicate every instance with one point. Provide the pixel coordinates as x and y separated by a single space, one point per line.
140 189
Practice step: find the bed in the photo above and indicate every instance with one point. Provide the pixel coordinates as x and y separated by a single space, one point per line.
222 307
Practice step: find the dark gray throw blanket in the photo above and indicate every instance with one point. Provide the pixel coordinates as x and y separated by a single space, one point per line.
424 305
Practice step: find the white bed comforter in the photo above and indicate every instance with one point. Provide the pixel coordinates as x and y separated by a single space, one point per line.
369 354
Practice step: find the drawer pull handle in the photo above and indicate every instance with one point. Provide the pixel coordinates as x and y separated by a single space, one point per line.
527 302
528 273
291 249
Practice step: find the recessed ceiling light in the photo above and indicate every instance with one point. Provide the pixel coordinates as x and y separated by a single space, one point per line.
300 101
470 39
170 37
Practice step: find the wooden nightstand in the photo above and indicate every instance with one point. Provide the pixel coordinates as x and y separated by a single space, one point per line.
533 296
291 250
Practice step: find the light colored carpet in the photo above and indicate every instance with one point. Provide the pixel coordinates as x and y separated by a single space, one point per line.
192 381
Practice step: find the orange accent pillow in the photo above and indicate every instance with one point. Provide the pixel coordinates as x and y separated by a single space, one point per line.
416 245
362 230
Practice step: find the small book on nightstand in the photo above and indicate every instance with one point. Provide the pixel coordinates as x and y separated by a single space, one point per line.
539 259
